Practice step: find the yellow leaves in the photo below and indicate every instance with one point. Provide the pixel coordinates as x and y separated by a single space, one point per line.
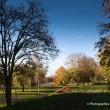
58 75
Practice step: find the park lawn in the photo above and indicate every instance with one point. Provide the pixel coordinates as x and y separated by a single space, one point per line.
2 105
99 88
96 87
69 101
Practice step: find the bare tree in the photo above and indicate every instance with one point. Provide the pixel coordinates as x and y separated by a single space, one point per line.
23 33
74 59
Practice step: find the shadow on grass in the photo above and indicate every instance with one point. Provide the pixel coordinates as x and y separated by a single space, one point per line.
108 88
100 83
70 101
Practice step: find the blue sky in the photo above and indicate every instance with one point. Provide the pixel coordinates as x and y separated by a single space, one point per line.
74 24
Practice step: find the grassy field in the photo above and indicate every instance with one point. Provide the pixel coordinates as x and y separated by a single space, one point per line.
69 101
90 97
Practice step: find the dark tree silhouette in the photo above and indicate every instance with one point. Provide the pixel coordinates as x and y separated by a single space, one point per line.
23 34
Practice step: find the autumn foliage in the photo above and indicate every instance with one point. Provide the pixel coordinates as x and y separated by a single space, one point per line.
80 70
58 76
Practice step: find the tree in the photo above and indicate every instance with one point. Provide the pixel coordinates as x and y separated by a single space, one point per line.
82 76
106 73
58 78
82 67
21 77
23 34
74 59
28 75
37 72
49 79
99 76
103 44
39 76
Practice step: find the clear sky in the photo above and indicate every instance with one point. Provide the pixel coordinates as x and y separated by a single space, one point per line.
74 25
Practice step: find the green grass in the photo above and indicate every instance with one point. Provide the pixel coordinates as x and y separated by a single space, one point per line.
97 92
2 105
70 101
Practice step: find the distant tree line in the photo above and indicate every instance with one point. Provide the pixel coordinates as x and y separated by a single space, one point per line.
80 70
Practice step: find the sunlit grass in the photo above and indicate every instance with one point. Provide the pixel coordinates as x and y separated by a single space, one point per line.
2 105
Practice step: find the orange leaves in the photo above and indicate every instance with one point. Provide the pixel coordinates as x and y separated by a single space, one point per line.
58 75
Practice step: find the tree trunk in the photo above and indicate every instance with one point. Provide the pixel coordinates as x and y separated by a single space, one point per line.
38 86
22 88
8 92
108 80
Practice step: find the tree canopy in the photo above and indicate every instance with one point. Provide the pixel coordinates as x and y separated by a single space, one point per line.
103 44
